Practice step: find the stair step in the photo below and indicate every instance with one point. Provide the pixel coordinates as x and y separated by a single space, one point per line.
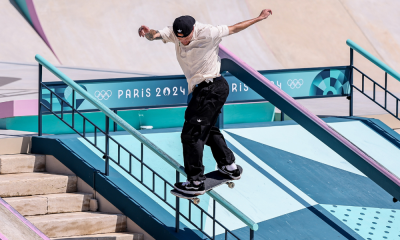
79 223
50 203
22 163
28 184
106 236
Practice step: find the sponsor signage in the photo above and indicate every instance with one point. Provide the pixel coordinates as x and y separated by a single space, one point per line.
169 91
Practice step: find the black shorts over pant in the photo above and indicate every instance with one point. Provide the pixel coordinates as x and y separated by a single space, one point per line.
200 117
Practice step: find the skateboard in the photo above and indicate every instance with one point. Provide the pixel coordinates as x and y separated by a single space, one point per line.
214 179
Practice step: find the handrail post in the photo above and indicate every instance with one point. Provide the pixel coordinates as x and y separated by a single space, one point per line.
351 82
385 89
282 116
251 234
177 207
107 160
40 102
115 123
73 108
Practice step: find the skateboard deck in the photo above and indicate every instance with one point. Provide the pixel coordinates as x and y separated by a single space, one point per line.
213 180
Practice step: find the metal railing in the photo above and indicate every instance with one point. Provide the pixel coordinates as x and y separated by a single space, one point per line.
144 143
384 67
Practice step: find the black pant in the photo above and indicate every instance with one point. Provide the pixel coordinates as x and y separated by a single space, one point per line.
200 117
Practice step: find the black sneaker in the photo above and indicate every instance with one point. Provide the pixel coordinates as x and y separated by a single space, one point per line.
235 174
190 188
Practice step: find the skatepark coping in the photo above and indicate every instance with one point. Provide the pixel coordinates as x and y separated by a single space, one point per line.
245 219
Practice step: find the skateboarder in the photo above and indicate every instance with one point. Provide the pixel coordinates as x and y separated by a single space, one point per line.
197 47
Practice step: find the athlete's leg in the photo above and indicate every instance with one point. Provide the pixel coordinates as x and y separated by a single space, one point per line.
222 154
193 139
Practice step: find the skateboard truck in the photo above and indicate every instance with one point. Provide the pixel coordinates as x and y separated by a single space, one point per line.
197 200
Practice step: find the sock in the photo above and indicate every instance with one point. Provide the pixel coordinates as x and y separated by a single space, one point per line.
231 167
197 182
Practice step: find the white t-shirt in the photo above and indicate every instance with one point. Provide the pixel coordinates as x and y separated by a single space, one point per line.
199 60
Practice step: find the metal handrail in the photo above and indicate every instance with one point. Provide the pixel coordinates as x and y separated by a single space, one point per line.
245 219
353 46
373 59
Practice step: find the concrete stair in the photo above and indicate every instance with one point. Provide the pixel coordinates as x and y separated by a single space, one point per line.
78 223
51 202
104 236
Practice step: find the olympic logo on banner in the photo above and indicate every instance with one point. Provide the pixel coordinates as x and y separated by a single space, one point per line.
103 95
295 83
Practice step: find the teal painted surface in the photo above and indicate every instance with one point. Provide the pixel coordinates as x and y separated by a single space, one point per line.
373 59
24 8
158 118
370 223
249 222
51 124
248 113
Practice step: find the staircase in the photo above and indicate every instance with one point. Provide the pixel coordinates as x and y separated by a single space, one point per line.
51 202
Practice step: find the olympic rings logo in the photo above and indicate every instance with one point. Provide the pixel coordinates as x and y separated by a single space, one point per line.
295 83
103 95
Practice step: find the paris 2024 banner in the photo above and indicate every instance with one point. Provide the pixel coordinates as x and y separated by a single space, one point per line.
170 91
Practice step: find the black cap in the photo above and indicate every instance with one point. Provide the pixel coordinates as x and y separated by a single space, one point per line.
183 25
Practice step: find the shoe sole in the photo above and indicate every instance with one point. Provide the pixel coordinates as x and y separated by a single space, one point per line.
190 192
234 178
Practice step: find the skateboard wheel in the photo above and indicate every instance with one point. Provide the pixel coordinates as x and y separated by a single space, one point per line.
395 200
231 184
196 201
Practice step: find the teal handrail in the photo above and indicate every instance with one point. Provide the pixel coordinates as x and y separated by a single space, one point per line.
373 59
117 119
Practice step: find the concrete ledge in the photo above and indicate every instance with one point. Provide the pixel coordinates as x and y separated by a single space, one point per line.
106 236
75 224
387 119
28 184
14 226
22 163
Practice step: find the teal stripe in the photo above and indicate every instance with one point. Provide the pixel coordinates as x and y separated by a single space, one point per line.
141 138
24 8
373 59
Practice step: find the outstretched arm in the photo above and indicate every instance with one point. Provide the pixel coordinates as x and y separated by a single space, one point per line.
245 24
150 34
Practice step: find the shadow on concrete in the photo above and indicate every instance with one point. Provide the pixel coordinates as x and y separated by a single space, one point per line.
7 80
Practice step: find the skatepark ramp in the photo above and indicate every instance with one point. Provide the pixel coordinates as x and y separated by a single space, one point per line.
377 171
101 141
308 178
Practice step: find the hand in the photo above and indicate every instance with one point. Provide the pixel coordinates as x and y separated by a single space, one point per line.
143 30
265 13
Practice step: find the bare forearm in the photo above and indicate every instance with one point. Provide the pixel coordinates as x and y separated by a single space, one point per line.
243 25
153 35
